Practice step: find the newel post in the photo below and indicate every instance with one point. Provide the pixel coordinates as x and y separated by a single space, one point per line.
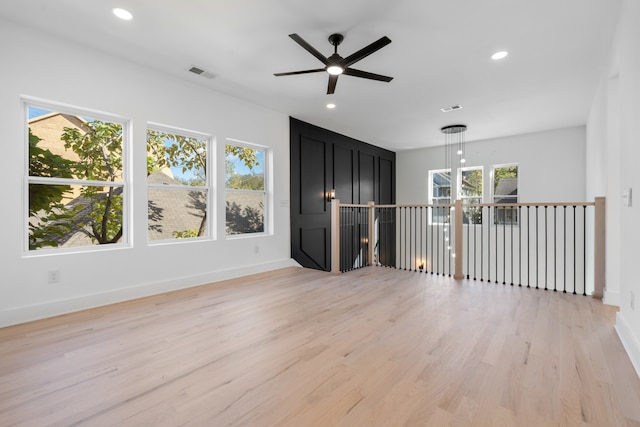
335 236
371 237
458 243
599 250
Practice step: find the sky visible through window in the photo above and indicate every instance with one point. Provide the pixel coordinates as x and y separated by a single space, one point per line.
177 171
37 112
241 169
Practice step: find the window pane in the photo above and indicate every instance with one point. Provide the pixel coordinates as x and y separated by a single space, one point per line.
74 215
244 168
440 214
70 146
471 183
471 194
441 185
505 185
440 195
176 213
245 184
505 215
244 212
176 159
505 181
472 215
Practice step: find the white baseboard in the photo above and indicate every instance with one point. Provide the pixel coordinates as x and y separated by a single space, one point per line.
14 316
611 298
630 342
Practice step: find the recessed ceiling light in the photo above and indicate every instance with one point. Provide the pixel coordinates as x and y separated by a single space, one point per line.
331 106
499 55
123 14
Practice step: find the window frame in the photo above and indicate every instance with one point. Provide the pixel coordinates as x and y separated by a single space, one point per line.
266 192
58 107
209 188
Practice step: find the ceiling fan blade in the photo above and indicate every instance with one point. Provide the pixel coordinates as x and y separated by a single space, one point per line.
366 75
333 80
291 73
366 51
312 50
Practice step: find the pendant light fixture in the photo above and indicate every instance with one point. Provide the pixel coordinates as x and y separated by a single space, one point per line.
454 153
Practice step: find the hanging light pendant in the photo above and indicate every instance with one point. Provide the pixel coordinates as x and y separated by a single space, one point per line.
454 152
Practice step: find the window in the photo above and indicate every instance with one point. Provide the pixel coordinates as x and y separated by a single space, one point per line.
470 192
505 190
245 184
178 184
440 194
75 177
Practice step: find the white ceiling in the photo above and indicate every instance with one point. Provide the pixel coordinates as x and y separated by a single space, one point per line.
439 56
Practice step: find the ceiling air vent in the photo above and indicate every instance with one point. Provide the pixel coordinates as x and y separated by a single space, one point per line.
453 107
199 71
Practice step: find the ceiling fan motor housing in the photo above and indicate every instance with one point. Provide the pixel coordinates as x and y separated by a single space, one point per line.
336 39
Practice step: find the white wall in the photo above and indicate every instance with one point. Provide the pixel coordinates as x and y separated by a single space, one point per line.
551 165
612 128
41 66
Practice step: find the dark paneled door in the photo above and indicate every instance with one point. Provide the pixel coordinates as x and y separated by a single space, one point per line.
311 219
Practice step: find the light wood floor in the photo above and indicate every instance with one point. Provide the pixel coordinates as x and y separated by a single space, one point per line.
295 347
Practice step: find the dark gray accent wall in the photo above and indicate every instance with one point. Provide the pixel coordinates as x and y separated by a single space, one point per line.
322 160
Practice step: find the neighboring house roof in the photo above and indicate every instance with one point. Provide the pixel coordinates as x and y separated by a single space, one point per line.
169 210
172 209
506 187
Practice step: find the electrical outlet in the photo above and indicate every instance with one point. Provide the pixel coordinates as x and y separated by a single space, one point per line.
632 301
53 276
256 249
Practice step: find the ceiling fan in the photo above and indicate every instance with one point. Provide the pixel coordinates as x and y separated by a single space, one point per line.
336 65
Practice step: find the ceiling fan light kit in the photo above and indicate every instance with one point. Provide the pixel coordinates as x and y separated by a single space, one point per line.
335 70
336 64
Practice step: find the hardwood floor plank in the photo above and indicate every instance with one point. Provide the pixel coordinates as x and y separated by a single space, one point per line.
296 347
